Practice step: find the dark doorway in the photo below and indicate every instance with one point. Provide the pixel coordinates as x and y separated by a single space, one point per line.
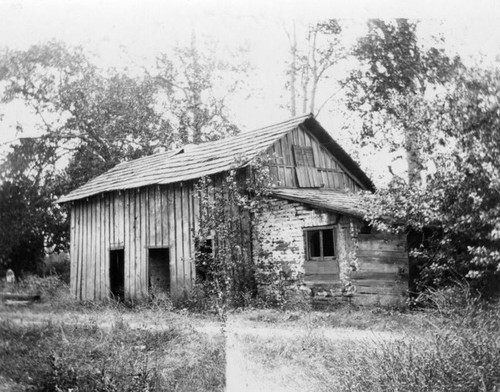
117 273
159 269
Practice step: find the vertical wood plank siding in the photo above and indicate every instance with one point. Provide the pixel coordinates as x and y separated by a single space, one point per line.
134 220
327 171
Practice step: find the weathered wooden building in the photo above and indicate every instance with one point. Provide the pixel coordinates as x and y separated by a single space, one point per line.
133 226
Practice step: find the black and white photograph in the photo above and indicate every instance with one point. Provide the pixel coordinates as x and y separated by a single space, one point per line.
235 196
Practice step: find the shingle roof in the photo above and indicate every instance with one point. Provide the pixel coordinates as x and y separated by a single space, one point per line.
328 199
196 161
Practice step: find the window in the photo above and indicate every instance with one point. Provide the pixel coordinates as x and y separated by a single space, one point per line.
303 156
320 243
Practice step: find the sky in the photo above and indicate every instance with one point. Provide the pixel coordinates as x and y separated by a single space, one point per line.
131 33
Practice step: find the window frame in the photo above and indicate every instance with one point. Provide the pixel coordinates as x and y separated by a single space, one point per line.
301 155
320 229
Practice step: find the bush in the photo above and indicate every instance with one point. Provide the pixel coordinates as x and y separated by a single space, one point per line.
49 286
57 264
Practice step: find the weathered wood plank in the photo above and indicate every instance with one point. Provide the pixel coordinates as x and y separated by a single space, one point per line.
170 194
378 283
164 217
321 267
97 247
86 251
317 157
106 244
114 220
279 152
179 218
186 235
133 242
302 176
143 257
127 243
381 258
81 238
158 217
78 250
90 251
193 228
321 279
274 173
382 246
295 136
72 249
151 221
287 150
391 276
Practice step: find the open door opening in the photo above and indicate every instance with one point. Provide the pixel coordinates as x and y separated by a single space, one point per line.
159 269
117 273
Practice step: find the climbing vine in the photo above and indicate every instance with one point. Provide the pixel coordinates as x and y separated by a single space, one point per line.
223 242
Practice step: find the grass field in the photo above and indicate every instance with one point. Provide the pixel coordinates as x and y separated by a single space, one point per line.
108 350
63 346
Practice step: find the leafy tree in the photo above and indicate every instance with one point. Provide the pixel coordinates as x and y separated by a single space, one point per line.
31 220
458 205
112 119
395 77
97 120
91 120
195 87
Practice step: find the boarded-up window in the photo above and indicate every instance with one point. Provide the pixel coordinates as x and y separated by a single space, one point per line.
307 174
320 244
303 156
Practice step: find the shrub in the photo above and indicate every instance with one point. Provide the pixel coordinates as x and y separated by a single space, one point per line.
49 286
56 264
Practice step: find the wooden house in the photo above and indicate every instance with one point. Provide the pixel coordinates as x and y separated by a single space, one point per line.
133 226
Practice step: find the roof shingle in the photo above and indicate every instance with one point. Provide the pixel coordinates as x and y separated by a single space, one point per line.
328 199
195 161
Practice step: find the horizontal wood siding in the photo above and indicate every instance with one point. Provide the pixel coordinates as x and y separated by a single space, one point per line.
326 173
383 267
134 220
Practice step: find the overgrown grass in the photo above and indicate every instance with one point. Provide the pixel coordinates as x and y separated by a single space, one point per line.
55 357
456 349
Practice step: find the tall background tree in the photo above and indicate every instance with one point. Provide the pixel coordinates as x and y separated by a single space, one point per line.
90 119
444 117
311 63
396 75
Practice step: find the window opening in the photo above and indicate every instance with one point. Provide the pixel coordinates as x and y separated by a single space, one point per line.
320 243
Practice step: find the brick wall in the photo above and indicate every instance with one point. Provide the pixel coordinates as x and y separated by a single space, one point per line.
279 237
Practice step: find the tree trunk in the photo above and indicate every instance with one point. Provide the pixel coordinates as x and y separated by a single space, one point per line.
293 72
314 71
